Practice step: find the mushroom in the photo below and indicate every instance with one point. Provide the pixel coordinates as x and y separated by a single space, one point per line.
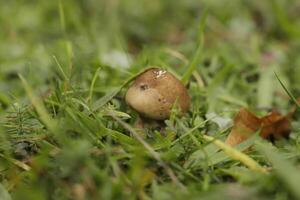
154 92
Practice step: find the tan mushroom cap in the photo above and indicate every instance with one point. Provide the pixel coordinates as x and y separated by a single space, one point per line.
154 92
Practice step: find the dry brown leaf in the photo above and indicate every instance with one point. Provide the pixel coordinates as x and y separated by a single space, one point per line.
245 124
273 126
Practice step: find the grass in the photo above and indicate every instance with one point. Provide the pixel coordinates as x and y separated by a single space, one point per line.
66 132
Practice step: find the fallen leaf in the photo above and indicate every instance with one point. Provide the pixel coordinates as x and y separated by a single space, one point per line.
275 126
272 126
245 125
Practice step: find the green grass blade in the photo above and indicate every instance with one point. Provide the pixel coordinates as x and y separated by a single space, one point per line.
39 106
288 92
93 84
193 64
62 16
285 170
236 155
16 162
4 195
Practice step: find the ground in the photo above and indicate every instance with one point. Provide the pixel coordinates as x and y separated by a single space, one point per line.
67 133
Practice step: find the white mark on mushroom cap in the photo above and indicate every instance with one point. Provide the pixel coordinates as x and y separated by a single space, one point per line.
159 73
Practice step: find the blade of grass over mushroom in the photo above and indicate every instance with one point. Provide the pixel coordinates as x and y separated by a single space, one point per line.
288 92
284 169
197 57
39 106
106 98
236 155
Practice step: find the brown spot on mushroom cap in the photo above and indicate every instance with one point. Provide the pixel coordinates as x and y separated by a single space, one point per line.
154 92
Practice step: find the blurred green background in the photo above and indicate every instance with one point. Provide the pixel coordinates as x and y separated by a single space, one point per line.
59 45
256 37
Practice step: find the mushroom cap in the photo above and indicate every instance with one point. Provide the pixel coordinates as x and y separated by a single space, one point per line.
154 92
